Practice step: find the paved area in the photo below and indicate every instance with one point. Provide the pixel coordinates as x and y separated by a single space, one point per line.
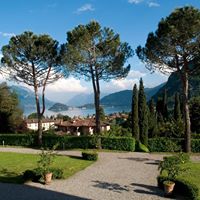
114 176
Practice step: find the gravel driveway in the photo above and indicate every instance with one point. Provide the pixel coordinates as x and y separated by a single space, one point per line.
114 176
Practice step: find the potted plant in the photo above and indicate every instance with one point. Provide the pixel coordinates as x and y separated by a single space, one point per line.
44 165
170 168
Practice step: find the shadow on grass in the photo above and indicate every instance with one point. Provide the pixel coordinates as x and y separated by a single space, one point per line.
24 192
10 177
115 187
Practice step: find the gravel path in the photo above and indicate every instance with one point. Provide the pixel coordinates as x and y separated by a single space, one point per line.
114 176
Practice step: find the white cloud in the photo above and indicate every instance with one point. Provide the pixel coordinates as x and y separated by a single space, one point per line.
66 85
135 1
85 8
7 34
124 84
153 4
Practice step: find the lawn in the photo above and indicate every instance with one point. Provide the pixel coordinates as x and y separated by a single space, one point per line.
192 174
12 165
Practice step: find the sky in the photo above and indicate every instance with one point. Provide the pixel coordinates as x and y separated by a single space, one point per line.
131 19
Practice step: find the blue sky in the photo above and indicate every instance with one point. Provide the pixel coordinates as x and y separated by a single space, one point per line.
132 19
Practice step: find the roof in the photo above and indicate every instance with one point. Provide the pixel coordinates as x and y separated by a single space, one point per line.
79 123
29 121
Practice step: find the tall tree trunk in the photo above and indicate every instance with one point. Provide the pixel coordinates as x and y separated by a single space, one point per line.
186 112
39 116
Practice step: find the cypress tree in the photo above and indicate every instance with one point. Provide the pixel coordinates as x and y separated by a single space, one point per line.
164 108
143 114
177 109
152 122
134 118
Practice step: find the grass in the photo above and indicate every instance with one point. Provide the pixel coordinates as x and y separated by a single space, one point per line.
13 165
192 174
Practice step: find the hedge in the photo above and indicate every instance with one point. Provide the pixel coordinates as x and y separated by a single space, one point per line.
118 143
18 139
182 187
70 142
171 144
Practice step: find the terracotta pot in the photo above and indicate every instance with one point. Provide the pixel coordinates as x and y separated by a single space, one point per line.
47 178
168 188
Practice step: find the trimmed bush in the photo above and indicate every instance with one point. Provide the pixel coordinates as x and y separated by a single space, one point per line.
195 145
164 145
141 147
118 143
90 155
182 187
70 142
18 139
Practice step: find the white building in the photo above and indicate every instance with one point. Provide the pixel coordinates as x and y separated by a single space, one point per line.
32 124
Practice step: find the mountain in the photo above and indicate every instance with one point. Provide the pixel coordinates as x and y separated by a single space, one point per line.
82 99
123 98
173 85
57 107
27 98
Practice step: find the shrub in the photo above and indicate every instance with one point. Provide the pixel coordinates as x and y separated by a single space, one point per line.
57 173
163 145
31 175
118 143
70 142
90 155
183 187
18 139
195 145
141 147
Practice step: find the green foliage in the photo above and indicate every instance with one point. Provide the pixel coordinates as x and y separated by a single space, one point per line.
177 108
195 114
90 155
57 173
33 116
141 147
152 121
101 113
96 54
45 162
118 143
163 145
118 131
143 115
171 166
195 145
184 187
18 139
134 114
171 129
10 113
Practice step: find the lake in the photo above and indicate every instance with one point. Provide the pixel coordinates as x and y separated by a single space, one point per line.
82 112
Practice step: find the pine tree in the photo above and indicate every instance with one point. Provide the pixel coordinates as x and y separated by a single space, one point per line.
143 114
134 118
177 109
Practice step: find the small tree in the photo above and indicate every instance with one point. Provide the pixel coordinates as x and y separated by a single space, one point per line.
33 60
134 114
10 113
175 46
97 54
143 114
